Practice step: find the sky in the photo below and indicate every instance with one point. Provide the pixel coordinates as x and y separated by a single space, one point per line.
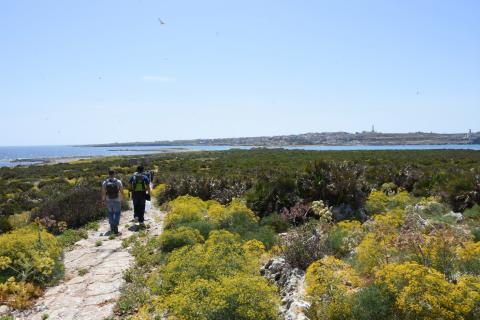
77 72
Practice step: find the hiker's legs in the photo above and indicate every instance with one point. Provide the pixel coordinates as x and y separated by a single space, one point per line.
116 215
114 210
136 201
139 205
111 215
141 209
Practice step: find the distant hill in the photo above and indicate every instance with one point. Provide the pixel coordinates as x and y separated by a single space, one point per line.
323 138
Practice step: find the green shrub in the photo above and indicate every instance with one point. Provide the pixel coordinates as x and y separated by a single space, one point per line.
82 272
344 237
221 189
237 218
147 254
472 213
134 293
177 238
476 234
203 226
373 303
93 225
276 221
5 224
270 194
70 236
335 182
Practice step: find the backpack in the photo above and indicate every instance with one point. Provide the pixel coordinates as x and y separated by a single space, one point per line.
112 188
138 182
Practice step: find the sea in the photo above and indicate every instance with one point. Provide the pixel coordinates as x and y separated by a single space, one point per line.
28 155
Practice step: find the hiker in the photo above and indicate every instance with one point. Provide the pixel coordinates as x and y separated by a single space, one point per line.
112 196
139 186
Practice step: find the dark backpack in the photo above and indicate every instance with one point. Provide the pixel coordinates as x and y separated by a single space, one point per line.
112 188
138 182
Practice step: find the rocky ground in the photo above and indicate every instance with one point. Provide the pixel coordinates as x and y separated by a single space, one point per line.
290 282
93 274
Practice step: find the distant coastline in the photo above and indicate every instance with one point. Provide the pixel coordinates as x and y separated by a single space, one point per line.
319 139
25 156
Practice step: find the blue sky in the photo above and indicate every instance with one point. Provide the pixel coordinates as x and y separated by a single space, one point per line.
74 72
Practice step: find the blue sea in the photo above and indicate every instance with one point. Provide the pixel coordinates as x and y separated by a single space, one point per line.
13 156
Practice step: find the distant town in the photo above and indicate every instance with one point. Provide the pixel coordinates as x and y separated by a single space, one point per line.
323 138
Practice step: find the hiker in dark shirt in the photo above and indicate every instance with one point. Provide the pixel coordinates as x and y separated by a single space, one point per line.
140 189
112 197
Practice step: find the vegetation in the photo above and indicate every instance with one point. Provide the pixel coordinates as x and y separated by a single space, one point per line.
29 260
399 265
187 276
382 234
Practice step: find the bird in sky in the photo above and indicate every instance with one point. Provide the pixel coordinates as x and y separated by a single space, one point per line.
161 21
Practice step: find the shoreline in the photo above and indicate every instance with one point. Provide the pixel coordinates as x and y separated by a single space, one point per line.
25 162
10 163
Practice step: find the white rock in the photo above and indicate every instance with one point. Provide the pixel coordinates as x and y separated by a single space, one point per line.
291 282
456 215
4 310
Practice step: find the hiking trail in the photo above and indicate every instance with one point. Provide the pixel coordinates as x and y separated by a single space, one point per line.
93 274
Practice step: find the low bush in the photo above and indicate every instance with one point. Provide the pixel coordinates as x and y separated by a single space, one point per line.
135 293
276 221
469 258
335 182
19 295
377 246
344 237
239 219
271 194
379 202
472 213
305 244
206 216
185 209
209 272
70 236
30 254
297 214
242 297
373 303
177 238
423 293
222 190
213 279
76 206
335 279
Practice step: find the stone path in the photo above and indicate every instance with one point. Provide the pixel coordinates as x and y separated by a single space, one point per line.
93 274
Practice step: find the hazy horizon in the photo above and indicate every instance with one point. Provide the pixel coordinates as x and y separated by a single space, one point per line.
121 71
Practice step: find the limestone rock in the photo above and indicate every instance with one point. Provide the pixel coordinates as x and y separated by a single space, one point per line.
456 215
4 310
291 285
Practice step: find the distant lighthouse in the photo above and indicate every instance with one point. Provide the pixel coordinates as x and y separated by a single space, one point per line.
373 128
